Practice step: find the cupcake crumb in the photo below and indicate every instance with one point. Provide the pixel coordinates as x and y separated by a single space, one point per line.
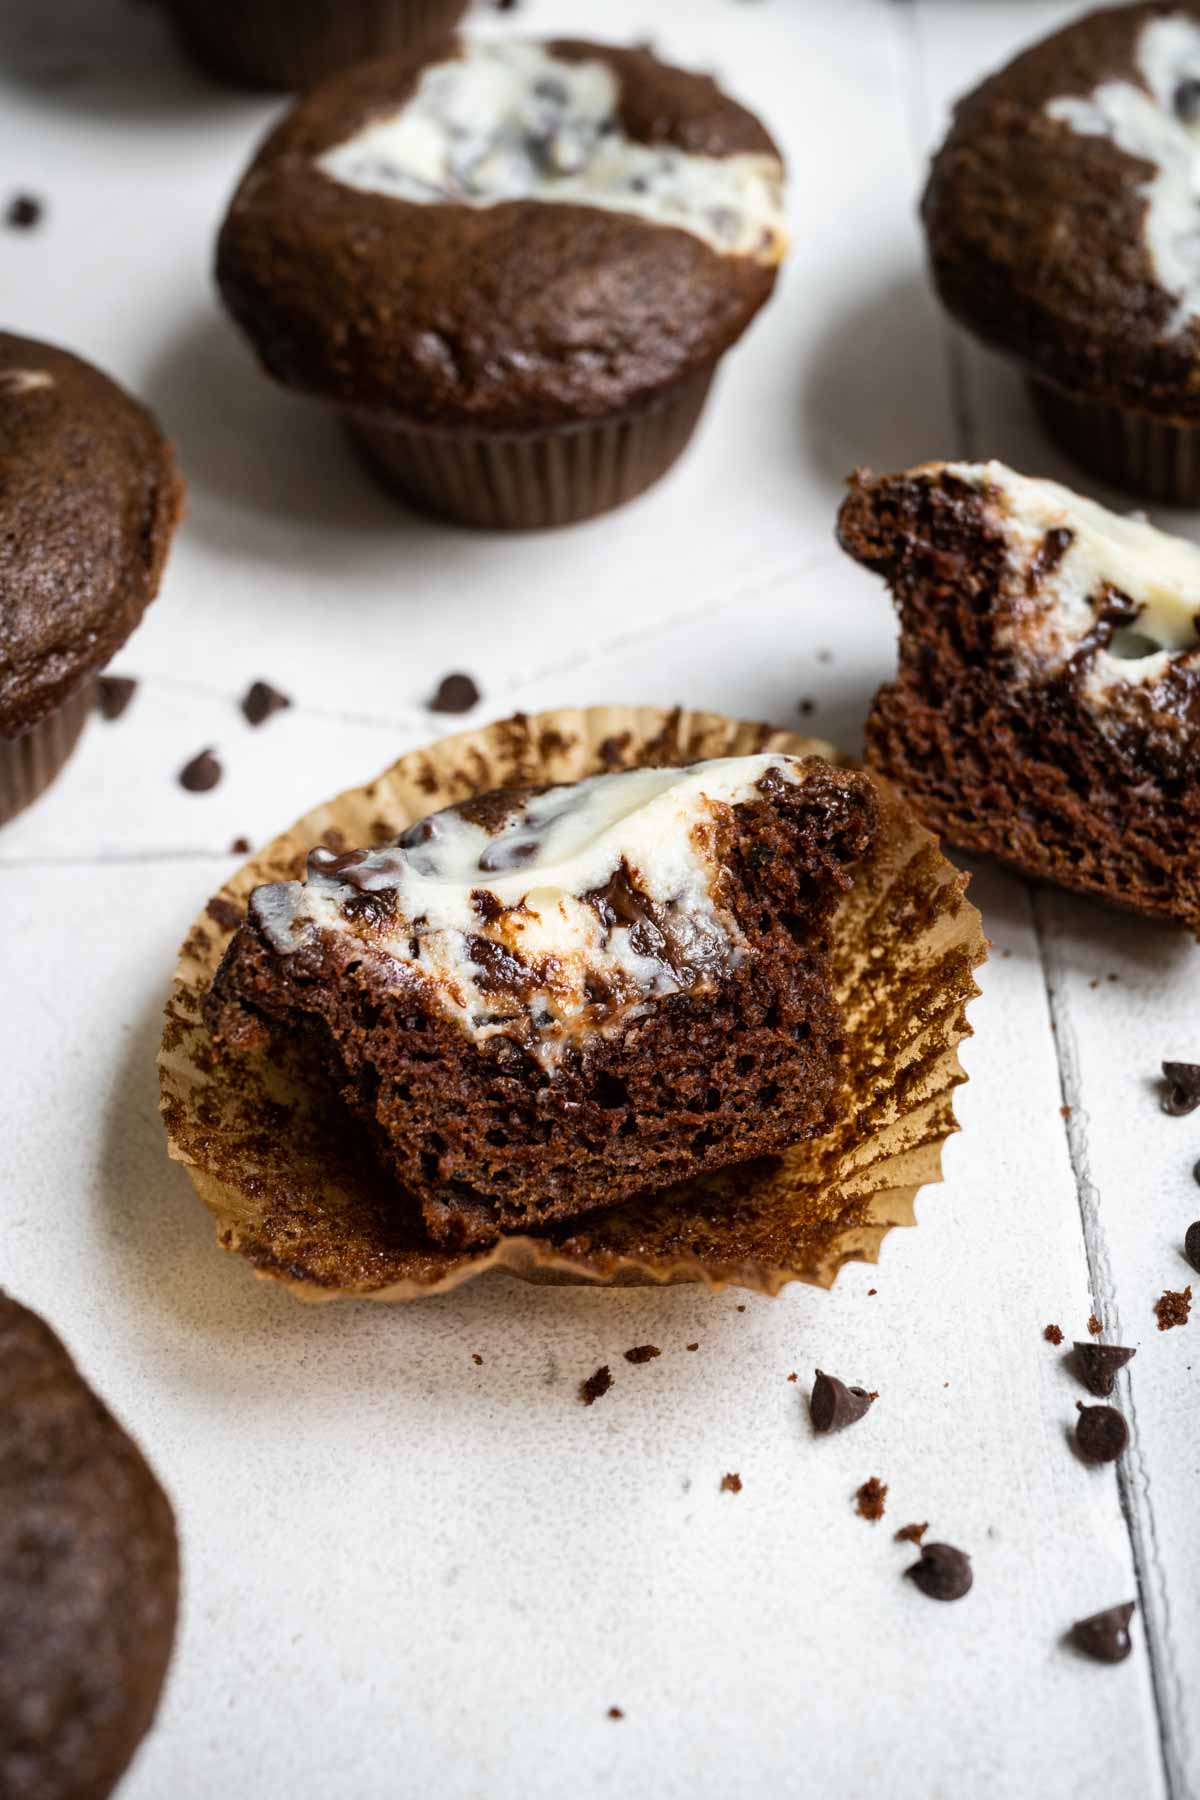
870 1498
596 1385
642 1353
912 1534
1094 1326
1173 1308
731 1483
1053 1334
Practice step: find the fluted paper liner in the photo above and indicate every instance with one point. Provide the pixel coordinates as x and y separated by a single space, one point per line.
271 1152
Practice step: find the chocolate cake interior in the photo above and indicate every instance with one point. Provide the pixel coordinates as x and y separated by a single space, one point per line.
1046 706
542 1003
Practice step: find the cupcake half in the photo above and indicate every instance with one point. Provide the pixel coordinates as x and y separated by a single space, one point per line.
294 43
89 499
1061 215
1047 706
511 267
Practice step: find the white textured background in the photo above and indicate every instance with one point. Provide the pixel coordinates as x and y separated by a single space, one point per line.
408 1575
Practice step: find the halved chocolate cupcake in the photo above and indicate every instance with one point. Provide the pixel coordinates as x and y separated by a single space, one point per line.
542 1003
294 43
511 267
1047 705
1061 215
89 499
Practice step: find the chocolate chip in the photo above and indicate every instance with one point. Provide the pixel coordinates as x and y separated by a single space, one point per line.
1101 1434
833 1405
1186 100
1173 1307
912 1534
24 212
1053 1334
870 1497
1098 1364
456 694
1105 1636
240 847
1182 1093
202 773
642 1353
113 694
614 1712
731 1484
943 1572
591 1390
1191 1245
261 700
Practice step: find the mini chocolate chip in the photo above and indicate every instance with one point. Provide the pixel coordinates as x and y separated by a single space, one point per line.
24 212
456 694
1186 100
1182 1093
202 773
240 847
614 1712
113 694
1101 1434
943 1572
642 1353
1098 1364
1105 1636
261 700
1191 1245
591 1390
833 1405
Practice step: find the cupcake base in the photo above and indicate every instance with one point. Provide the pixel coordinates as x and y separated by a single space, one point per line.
528 481
1152 458
269 44
29 763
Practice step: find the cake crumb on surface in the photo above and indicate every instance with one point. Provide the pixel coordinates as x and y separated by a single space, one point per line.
912 1534
596 1385
642 1353
476 1359
731 1483
1053 1334
1094 1326
870 1497
1173 1307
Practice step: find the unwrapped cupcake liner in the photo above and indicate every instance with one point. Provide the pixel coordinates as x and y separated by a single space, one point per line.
29 763
295 1190
529 480
283 44
1152 458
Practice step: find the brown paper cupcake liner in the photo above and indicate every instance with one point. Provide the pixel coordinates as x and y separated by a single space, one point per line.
29 763
292 44
272 1154
1149 457
526 481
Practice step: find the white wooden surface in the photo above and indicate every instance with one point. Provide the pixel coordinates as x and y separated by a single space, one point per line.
407 1574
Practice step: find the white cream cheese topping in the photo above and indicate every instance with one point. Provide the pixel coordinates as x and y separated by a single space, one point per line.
1159 122
508 121
455 900
1055 613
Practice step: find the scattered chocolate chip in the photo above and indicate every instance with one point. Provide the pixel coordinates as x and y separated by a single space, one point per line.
912 1534
477 1359
240 847
113 694
202 773
1053 1334
642 1353
1105 1636
1098 1364
833 1405
741 1309
943 1572
731 1484
1173 1308
1094 1326
1186 100
456 694
596 1385
870 1498
1182 1092
1191 1241
692 1346
871 1291
614 1712
1101 1434
24 212
261 700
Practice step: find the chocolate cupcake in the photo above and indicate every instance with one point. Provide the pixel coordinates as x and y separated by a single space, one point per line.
89 1576
511 267
1047 706
1061 215
294 43
89 498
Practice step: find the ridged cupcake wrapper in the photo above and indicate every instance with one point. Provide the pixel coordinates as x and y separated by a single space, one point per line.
29 763
1145 456
526 481
273 1155
270 44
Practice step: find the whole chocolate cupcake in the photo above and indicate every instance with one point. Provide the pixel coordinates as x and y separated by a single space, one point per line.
89 498
1063 228
512 267
294 43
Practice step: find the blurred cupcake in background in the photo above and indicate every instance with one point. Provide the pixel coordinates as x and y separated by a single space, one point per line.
294 43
